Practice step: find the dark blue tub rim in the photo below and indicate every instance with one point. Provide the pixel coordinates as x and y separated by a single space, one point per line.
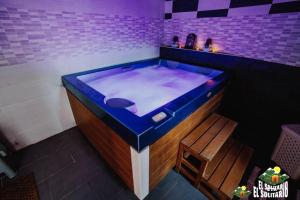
135 126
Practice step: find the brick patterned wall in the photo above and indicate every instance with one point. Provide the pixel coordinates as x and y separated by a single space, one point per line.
273 38
224 8
37 35
267 30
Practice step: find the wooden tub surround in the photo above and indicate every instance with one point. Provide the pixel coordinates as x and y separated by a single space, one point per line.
140 171
110 145
163 153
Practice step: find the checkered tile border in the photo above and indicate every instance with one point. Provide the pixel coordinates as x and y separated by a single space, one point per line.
224 8
261 29
274 38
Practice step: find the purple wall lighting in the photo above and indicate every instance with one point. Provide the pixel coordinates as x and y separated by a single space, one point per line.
272 38
265 30
41 30
28 35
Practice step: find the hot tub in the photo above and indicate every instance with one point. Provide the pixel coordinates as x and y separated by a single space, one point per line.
142 103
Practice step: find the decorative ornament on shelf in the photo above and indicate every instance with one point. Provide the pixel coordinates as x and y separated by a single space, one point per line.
208 47
175 42
191 41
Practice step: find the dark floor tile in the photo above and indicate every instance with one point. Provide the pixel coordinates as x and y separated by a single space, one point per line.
83 192
50 146
86 154
125 194
73 139
184 191
175 187
69 178
44 191
68 148
107 185
164 187
47 166
66 166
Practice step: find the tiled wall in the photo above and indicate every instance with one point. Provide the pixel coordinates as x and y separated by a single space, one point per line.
36 35
224 8
267 30
41 40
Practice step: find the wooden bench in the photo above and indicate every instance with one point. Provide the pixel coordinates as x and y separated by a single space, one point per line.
211 160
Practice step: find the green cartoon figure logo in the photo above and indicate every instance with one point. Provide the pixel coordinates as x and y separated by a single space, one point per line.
273 176
241 192
271 184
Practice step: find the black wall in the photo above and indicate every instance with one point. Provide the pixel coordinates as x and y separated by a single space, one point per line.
260 95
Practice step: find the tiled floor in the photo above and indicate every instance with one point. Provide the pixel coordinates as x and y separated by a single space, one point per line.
67 167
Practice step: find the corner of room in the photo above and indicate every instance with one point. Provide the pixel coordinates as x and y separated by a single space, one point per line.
160 99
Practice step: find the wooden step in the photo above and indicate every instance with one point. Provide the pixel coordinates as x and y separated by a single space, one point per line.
204 144
217 178
200 130
209 135
217 143
211 166
226 170
237 171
